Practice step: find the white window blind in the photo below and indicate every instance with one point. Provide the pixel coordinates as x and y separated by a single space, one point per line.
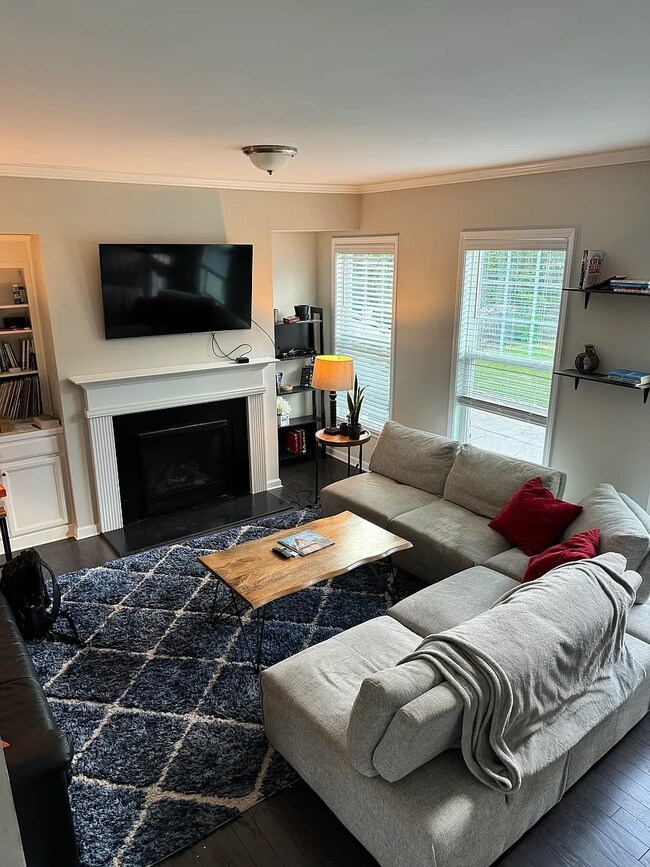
511 293
364 283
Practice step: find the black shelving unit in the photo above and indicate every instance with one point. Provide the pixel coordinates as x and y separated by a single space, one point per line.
605 291
601 378
301 341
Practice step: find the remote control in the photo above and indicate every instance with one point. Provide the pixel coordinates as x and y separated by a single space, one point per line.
287 553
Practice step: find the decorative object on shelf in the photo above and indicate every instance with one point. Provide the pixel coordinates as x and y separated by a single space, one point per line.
17 322
286 389
355 401
587 361
46 422
19 293
590 270
278 381
270 158
290 320
306 376
276 316
283 408
333 373
302 311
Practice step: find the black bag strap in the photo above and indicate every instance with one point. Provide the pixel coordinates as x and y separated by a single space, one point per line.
55 601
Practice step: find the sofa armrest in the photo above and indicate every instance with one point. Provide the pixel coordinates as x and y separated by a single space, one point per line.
37 755
419 731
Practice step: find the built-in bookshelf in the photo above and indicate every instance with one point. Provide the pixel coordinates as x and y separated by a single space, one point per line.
20 383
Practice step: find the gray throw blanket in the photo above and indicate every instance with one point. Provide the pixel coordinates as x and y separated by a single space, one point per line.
539 669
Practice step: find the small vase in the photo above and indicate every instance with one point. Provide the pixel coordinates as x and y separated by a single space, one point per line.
354 431
587 361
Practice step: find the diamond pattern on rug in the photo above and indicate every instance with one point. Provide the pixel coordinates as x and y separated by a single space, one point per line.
163 706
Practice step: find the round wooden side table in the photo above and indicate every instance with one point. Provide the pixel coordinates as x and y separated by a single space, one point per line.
340 441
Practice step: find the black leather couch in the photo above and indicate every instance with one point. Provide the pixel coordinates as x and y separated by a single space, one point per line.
38 756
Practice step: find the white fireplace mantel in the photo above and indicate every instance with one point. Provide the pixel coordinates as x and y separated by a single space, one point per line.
128 391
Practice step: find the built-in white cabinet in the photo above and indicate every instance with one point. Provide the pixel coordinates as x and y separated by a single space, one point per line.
32 469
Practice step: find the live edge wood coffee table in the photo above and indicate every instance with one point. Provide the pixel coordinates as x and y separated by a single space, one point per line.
253 573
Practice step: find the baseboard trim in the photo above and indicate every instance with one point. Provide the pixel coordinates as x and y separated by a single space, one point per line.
85 531
40 537
273 484
341 455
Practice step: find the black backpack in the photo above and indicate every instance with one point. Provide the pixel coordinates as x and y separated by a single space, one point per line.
35 610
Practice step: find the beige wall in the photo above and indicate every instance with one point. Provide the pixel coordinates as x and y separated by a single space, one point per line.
70 218
601 433
295 281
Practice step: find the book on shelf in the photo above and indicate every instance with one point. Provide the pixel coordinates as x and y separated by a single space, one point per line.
289 320
592 265
306 542
630 285
633 377
21 398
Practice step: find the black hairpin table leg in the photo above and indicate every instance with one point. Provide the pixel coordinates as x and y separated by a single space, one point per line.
257 617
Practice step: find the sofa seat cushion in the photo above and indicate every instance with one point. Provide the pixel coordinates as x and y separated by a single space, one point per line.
373 497
483 482
512 563
452 601
446 539
621 530
414 457
321 683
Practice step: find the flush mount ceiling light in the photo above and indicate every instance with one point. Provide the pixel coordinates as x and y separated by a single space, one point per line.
269 158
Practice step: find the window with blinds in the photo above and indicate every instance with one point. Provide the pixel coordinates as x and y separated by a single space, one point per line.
364 288
509 312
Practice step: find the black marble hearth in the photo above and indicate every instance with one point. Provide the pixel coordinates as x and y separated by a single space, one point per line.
166 529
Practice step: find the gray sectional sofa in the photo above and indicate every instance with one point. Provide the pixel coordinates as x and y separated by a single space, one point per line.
441 496
376 740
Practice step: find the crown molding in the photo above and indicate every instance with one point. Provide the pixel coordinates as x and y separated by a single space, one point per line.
72 173
561 164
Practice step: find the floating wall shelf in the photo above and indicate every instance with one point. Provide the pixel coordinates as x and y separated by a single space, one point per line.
602 378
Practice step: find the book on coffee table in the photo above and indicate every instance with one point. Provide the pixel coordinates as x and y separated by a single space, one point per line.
305 542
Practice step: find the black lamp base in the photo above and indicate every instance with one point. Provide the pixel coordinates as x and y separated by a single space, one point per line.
332 428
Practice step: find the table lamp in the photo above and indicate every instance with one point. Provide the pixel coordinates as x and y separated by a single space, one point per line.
333 373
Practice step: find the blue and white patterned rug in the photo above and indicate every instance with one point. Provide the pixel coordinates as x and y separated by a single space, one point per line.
164 707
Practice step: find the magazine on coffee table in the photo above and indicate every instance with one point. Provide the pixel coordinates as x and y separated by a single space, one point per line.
306 542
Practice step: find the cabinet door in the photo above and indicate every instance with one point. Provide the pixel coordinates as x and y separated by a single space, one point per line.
35 494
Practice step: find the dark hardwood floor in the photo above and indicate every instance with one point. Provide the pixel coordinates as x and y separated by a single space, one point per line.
603 821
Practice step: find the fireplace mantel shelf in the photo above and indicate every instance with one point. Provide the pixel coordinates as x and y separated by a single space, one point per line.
97 380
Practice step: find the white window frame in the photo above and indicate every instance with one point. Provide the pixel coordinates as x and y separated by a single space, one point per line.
369 244
515 239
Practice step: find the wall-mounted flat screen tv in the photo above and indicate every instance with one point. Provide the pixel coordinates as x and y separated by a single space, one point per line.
150 289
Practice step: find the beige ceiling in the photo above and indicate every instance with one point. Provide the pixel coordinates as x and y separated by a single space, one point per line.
368 90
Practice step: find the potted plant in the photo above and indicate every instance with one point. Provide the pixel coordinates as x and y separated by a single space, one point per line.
355 400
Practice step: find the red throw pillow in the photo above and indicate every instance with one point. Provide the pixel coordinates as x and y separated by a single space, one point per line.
582 546
533 519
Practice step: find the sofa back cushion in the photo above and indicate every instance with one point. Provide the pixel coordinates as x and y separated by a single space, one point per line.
483 482
414 457
622 529
380 697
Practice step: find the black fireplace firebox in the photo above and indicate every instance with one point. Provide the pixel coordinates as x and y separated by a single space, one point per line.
173 459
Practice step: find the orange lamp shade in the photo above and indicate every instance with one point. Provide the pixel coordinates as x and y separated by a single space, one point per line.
333 372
